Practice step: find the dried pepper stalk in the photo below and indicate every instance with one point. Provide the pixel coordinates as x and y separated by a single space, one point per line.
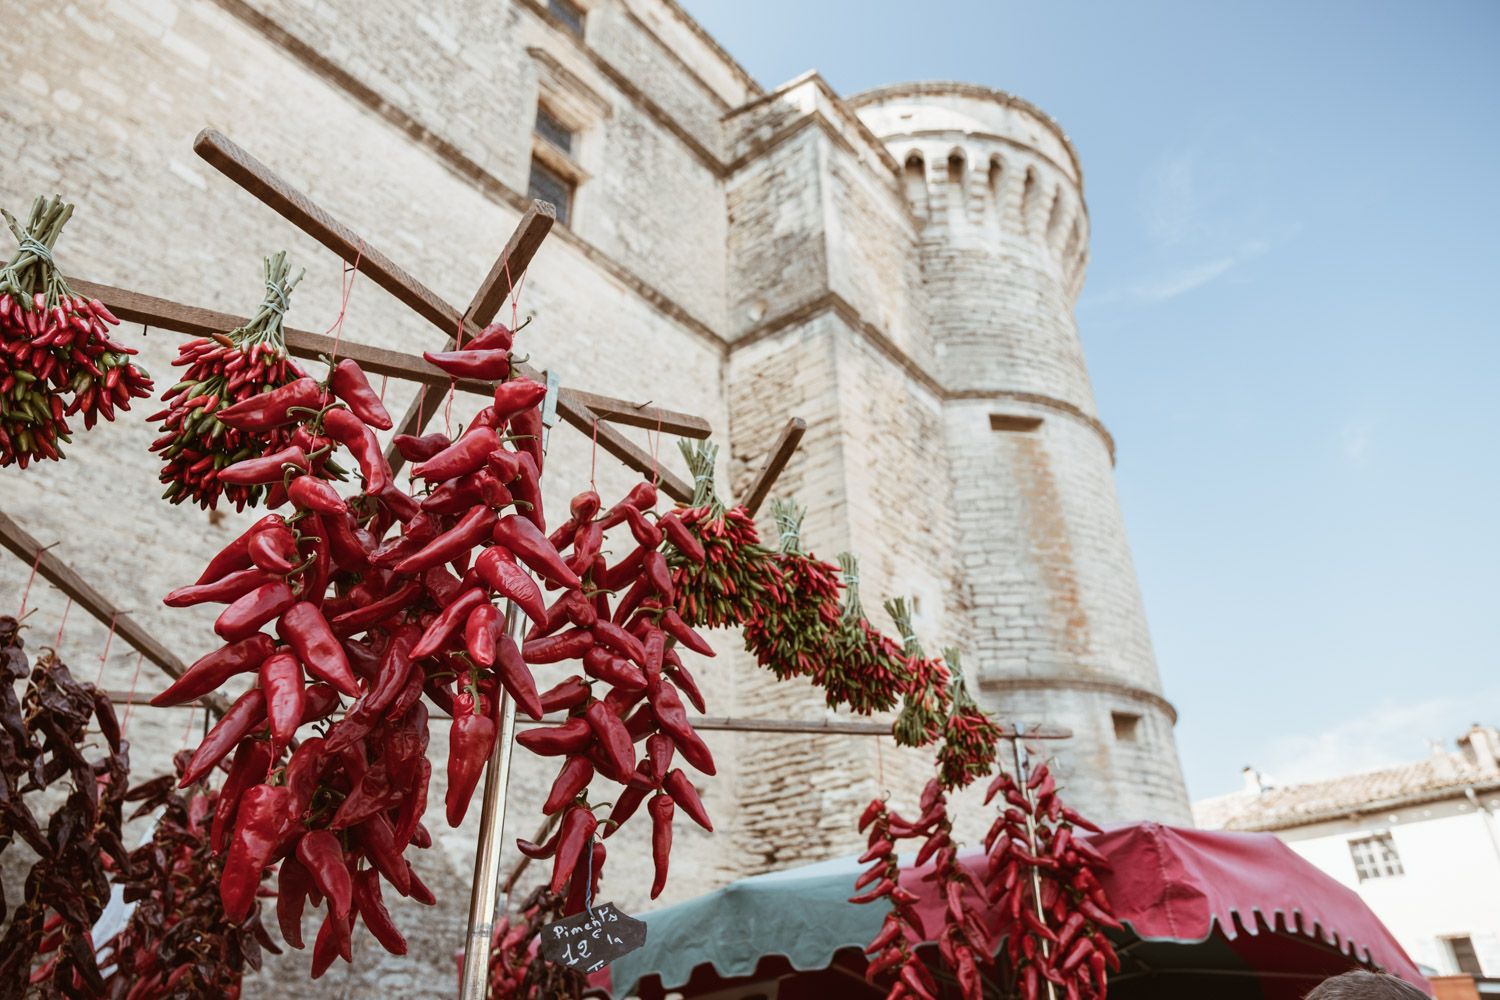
42 739
178 940
924 707
222 370
54 342
894 950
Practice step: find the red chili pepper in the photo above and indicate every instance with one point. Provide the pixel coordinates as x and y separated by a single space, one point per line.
351 432
654 568
264 469
570 645
680 630
614 637
626 803
293 886
333 939
659 750
448 622
303 627
312 493
526 431
379 840
225 590
573 836
612 736
212 670
516 676
642 497
262 816
682 537
281 680
527 491
247 712
481 630
269 409
248 613
236 554
354 621
537 852
252 762
684 681
684 794
274 550
499 571
349 383
420 449
516 395
301 774
322 855
481 365
470 741
574 777
573 736
373 912
565 696
585 878
661 809
468 454
613 669
530 546
473 528
671 715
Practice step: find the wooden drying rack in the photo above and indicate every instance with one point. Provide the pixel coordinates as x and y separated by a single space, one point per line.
588 412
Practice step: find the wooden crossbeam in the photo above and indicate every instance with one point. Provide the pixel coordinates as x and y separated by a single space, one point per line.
64 578
262 182
781 453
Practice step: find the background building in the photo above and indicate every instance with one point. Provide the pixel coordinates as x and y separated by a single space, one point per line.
1418 842
899 268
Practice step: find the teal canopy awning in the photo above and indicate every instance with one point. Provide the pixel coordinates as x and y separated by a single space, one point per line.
802 914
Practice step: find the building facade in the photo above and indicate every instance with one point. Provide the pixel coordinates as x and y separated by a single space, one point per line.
898 268
1420 843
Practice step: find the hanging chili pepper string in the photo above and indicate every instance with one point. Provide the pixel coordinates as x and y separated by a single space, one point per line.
26 592
346 289
594 458
62 623
130 698
108 638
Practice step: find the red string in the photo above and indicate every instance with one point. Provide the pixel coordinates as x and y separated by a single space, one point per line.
383 380
130 698
656 447
66 608
346 288
594 458
458 340
27 592
108 637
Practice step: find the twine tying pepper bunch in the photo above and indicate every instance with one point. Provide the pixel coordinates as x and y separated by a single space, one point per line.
53 343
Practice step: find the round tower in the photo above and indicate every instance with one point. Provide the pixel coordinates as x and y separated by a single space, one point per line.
1046 603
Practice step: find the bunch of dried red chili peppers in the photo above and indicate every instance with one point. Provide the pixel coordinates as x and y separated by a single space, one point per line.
517 971
391 595
42 739
54 342
178 940
225 370
1042 880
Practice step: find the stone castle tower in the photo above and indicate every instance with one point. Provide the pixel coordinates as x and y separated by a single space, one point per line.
898 268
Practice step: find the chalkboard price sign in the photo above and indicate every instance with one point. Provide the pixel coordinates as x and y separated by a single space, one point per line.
590 940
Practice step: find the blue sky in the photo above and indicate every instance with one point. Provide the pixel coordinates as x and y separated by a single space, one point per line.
1290 320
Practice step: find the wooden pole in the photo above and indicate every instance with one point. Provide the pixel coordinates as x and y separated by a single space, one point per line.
780 454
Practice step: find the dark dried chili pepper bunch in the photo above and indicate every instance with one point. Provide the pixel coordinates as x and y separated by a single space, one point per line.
867 672
926 702
517 969
737 579
620 622
42 739
228 370
54 342
792 635
970 737
1042 881
893 953
178 941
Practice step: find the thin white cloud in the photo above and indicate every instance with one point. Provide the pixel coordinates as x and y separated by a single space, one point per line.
1356 443
1392 733
1169 199
1181 282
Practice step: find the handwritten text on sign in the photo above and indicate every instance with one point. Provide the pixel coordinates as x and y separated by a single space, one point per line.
590 940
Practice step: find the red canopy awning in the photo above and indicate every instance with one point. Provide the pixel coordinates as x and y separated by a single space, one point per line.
1207 913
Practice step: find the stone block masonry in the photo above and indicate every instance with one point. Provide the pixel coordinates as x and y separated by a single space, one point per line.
898 269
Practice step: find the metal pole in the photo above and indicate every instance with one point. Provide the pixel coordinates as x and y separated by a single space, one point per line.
485 894
1036 877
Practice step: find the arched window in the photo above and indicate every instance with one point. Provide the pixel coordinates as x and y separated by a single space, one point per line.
914 175
1028 197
